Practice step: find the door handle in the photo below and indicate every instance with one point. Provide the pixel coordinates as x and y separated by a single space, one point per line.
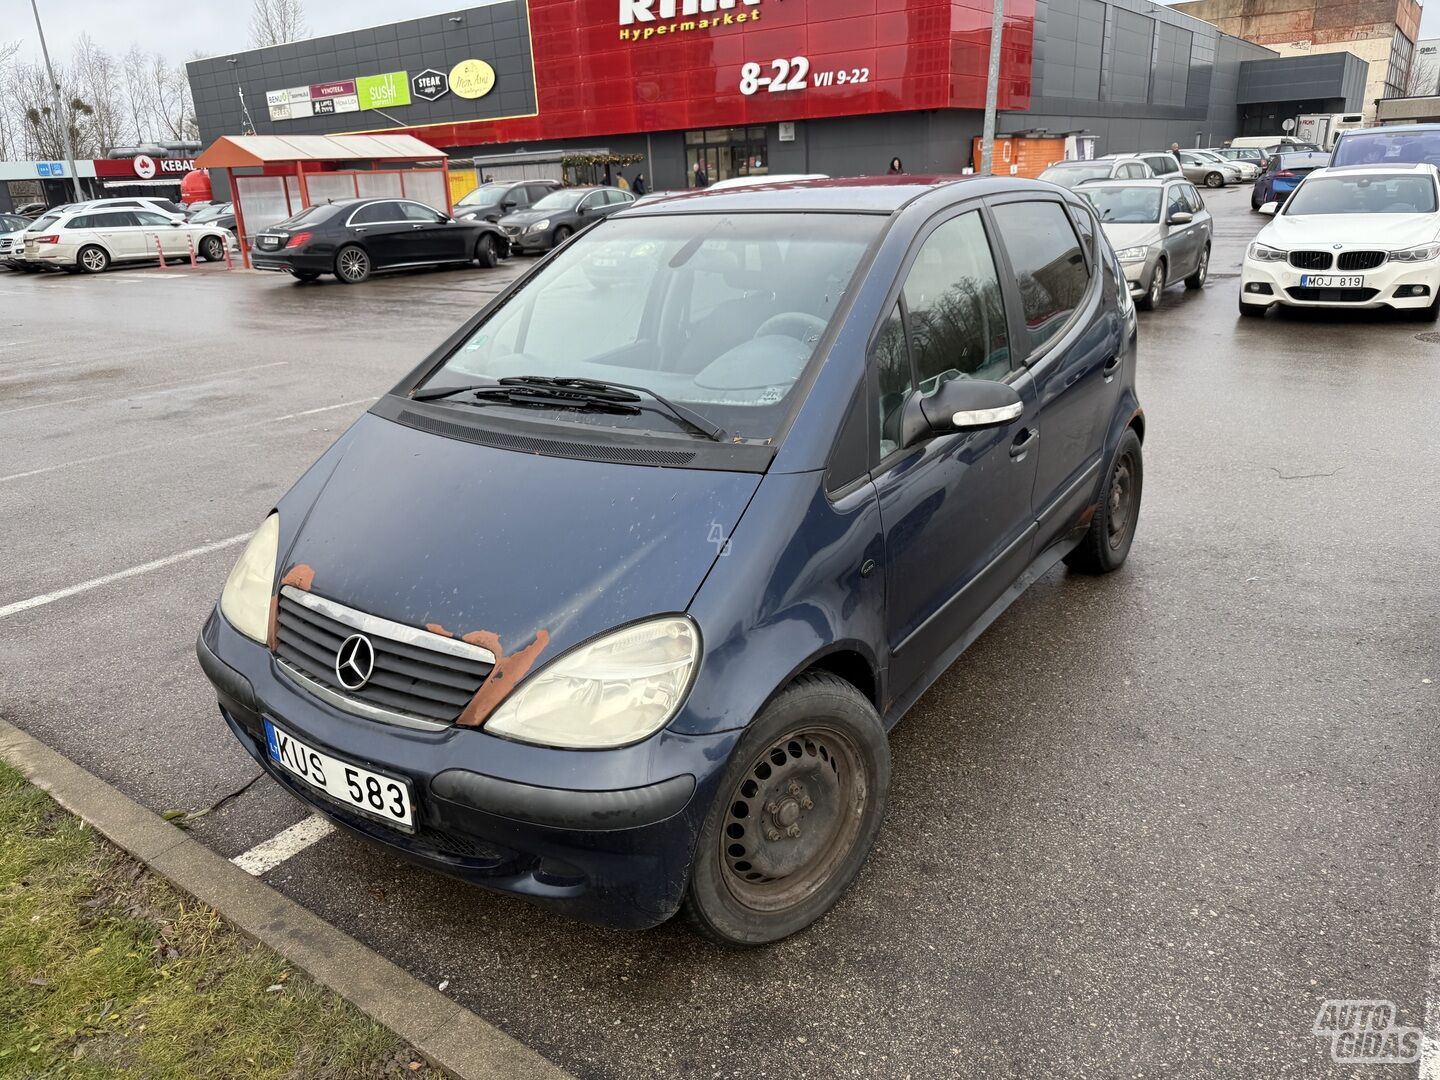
1111 365
1027 438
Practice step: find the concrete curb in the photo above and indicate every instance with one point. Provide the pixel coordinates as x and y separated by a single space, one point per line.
449 1036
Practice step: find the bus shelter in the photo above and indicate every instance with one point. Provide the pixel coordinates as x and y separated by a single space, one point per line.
272 177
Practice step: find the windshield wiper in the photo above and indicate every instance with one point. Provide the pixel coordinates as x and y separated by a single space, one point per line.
540 390
613 391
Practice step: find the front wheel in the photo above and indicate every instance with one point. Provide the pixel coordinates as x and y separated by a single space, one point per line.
93 260
1202 269
1214 180
795 816
1112 529
1253 311
562 233
1151 300
352 265
486 253
212 249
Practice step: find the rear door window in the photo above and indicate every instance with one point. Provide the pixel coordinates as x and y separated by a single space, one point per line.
1050 269
376 213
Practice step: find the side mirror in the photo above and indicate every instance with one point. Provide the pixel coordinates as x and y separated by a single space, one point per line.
1269 208
176 224
508 204
960 405
1181 217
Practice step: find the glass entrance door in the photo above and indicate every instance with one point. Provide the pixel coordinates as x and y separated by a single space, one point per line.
727 152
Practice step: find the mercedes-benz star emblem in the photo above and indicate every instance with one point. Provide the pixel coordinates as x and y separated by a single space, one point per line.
355 661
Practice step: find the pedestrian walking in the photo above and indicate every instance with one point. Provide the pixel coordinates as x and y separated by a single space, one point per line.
896 166
638 187
621 182
702 178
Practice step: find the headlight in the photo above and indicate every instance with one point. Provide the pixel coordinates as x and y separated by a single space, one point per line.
539 226
245 601
1421 253
1132 254
1261 253
616 690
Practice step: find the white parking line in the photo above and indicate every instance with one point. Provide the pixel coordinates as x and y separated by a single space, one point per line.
268 854
118 396
119 575
179 439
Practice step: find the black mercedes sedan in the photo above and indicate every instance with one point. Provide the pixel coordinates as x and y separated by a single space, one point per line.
552 220
354 238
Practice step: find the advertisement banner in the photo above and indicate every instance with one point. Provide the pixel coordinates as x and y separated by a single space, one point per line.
386 91
333 89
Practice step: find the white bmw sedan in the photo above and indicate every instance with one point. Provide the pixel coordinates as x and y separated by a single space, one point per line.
1358 236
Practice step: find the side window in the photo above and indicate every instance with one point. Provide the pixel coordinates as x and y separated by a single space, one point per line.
84 221
376 212
517 197
593 200
1085 225
533 192
149 217
123 220
1193 198
891 360
1049 267
1175 201
955 307
415 212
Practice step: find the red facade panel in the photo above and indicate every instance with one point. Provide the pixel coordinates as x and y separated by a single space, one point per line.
610 67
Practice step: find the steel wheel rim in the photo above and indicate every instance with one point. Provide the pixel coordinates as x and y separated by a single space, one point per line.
353 263
793 818
1120 500
94 260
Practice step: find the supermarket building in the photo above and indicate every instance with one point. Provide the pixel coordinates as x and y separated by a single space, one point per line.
748 87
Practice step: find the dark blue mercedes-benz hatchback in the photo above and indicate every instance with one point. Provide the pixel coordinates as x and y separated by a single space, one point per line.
612 601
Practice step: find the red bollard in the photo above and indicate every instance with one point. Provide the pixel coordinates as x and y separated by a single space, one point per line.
228 264
191 238
161 252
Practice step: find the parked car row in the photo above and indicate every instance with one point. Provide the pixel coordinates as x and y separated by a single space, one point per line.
91 237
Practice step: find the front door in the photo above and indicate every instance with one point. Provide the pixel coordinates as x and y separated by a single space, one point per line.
955 508
1181 251
1071 353
433 236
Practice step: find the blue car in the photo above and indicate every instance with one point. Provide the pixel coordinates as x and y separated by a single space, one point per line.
1392 144
1283 173
613 600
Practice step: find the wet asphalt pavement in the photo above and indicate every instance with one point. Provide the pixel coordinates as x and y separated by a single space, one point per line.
1142 828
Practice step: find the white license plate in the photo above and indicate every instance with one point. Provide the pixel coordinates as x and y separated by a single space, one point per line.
371 793
1330 281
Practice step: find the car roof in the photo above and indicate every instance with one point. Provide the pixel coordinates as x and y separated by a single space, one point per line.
1141 182
859 194
1397 167
1070 164
1287 155
1390 129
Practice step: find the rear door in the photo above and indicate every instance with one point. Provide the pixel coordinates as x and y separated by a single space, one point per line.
1071 345
383 230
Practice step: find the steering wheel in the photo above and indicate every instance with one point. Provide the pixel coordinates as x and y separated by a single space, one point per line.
804 328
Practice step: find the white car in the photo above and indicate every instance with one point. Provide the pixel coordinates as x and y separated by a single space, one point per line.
1248 171
756 181
1203 167
91 240
139 202
12 237
1357 236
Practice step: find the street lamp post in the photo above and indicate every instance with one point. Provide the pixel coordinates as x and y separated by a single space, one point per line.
59 112
992 87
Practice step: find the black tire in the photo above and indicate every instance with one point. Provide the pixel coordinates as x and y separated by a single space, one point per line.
1149 300
1253 311
817 753
92 259
305 275
1214 180
1112 530
352 264
1202 271
562 233
212 249
1429 313
486 253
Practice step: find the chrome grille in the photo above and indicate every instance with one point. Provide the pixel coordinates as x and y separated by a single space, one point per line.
417 674
1360 260
1310 260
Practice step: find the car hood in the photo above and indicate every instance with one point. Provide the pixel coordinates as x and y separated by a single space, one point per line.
525 217
519 548
1358 230
1123 236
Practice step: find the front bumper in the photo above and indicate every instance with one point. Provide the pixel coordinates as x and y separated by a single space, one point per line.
1138 274
528 242
606 837
1263 284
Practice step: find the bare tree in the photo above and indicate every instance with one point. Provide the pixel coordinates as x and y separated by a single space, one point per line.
274 22
1423 79
42 128
10 136
96 70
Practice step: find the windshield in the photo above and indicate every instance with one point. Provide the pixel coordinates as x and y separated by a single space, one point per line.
1378 147
211 213
1070 175
720 312
1118 205
561 200
488 195
12 222
1363 195
311 215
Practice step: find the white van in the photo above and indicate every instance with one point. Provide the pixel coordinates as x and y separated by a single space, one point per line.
1262 141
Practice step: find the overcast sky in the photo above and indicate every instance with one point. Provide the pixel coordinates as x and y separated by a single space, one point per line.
181 27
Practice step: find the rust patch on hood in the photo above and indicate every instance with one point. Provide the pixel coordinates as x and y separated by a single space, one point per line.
507 673
300 576
436 628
